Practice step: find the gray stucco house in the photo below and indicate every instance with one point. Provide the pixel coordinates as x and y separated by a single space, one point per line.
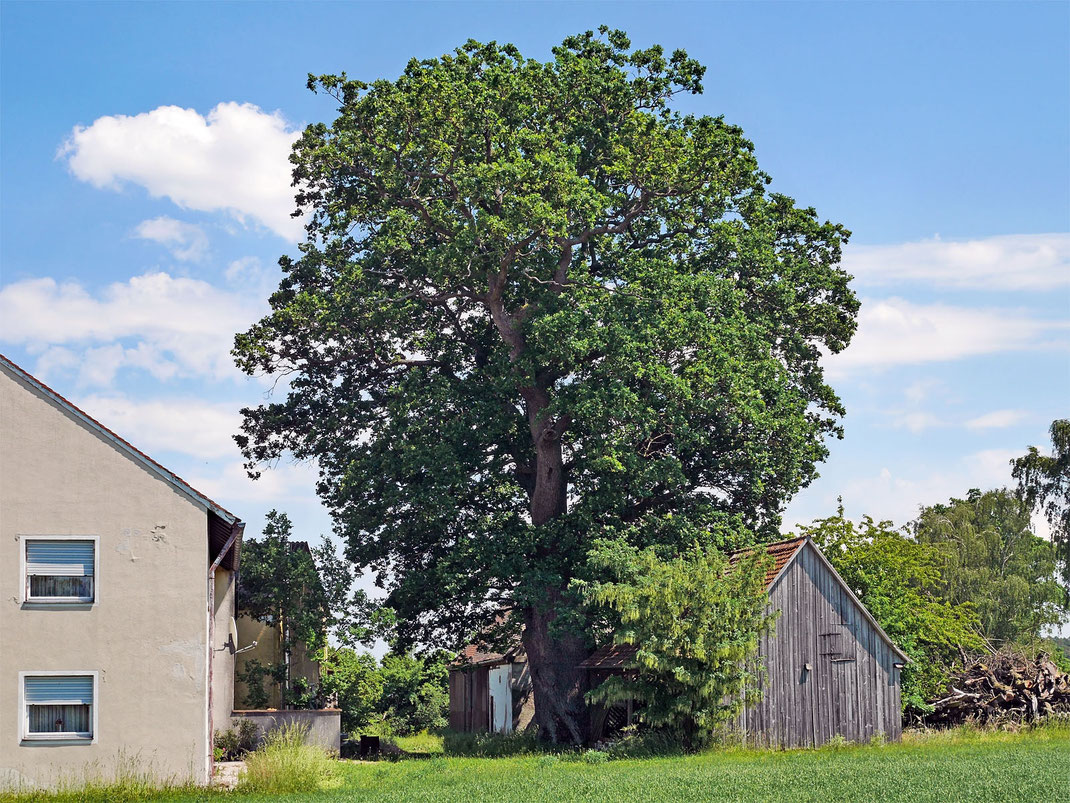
117 584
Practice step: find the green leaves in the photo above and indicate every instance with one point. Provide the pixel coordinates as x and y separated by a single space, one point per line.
991 559
308 592
402 695
695 620
1044 485
538 304
280 585
899 582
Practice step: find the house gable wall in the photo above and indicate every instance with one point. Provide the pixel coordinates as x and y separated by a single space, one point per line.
146 634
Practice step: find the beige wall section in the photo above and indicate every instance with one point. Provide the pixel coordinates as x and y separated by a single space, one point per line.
223 656
268 651
147 632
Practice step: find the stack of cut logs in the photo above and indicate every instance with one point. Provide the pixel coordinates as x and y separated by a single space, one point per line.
1002 687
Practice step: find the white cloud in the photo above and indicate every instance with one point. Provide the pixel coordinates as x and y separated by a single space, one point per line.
997 419
251 274
894 331
1009 262
284 482
893 496
163 324
234 160
187 426
921 389
186 241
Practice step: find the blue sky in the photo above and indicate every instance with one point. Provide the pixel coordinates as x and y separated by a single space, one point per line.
144 204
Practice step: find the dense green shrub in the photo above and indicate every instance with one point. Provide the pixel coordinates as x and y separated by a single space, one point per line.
415 692
494 745
646 743
696 621
399 696
353 680
233 743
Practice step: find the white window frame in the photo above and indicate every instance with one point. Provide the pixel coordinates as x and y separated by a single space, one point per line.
24 580
72 737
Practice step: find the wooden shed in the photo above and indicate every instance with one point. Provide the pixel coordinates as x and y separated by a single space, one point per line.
490 691
830 668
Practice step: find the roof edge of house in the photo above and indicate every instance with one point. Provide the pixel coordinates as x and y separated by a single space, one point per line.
123 445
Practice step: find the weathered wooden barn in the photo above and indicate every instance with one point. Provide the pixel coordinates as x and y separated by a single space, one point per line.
490 691
830 668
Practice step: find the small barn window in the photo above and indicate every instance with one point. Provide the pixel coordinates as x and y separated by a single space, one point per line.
60 569
833 647
58 706
830 644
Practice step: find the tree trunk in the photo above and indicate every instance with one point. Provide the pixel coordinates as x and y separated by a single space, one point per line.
558 685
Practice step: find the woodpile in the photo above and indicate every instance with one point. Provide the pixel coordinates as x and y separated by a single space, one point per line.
1003 687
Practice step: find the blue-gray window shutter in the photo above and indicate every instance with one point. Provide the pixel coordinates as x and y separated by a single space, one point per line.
56 689
60 558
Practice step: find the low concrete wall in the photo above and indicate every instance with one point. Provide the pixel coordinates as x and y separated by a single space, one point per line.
324 725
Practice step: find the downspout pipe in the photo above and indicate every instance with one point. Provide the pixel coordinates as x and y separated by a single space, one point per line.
236 530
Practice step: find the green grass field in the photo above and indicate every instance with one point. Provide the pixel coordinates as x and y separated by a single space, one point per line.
960 766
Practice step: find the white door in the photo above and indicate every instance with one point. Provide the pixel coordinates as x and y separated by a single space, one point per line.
501 700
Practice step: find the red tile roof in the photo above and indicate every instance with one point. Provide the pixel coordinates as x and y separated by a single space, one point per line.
782 552
612 656
472 655
619 656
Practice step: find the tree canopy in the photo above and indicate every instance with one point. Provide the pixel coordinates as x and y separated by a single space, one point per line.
991 559
1044 484
539 305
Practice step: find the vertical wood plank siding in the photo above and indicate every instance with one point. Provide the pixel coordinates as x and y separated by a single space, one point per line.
470 699
852 688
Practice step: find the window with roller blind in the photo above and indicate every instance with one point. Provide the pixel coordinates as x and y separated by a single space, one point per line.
58 706
60 569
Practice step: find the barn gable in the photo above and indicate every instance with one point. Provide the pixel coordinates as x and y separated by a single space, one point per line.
805 544
829 667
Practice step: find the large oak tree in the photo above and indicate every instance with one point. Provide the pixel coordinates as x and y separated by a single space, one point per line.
539 305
